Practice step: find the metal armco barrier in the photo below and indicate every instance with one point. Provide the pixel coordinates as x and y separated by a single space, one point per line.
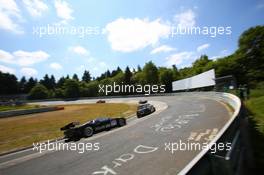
238 160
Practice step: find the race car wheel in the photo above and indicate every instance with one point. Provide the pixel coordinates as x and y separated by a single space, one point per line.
121 122
88 132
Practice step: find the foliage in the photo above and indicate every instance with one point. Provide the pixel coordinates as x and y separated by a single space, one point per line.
86 76
166 78
38 92
72 89
48 82
255 106
9 84
150 73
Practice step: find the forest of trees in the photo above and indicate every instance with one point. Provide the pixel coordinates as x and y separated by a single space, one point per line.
246 65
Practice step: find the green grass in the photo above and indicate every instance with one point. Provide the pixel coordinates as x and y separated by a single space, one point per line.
8 108
255 106
257 93
25 130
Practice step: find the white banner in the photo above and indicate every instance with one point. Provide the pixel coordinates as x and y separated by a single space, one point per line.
201 80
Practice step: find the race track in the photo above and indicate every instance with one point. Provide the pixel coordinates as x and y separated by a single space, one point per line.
143 146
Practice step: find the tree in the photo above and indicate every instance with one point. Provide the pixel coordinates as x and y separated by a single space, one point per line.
225 66
115 72
75 77
250 55
175 72
72 89
119 69
199 64
150 72
9 84
185 72
60 82
107 74
119 78
138 78
86 76
139 68
92 88
38 92
59 93
89 89
166 78
127 76
22 84
48 82
52 82
30 84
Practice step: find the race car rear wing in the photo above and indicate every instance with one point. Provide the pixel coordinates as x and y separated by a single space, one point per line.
70 125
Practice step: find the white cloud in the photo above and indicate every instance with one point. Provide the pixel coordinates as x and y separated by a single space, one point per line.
63 10
178 58
127 35
100 66
79 50
29 58
163 48
9 13
56 66
185 19
35 7
6 57
23 58
5 69
28 72
203 47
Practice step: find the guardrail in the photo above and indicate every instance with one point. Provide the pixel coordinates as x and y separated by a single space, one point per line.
238 160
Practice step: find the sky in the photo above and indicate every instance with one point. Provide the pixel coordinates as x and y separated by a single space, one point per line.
61 37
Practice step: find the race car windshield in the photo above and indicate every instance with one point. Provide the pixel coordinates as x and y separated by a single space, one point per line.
99 120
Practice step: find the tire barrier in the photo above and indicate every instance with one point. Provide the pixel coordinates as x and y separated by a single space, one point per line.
14 113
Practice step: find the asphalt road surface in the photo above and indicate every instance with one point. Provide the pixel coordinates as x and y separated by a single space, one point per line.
149 145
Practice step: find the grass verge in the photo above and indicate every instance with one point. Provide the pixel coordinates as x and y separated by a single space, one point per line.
255 106
18 132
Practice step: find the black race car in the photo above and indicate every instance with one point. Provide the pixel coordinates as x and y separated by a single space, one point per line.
100 101
145 109
73 131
